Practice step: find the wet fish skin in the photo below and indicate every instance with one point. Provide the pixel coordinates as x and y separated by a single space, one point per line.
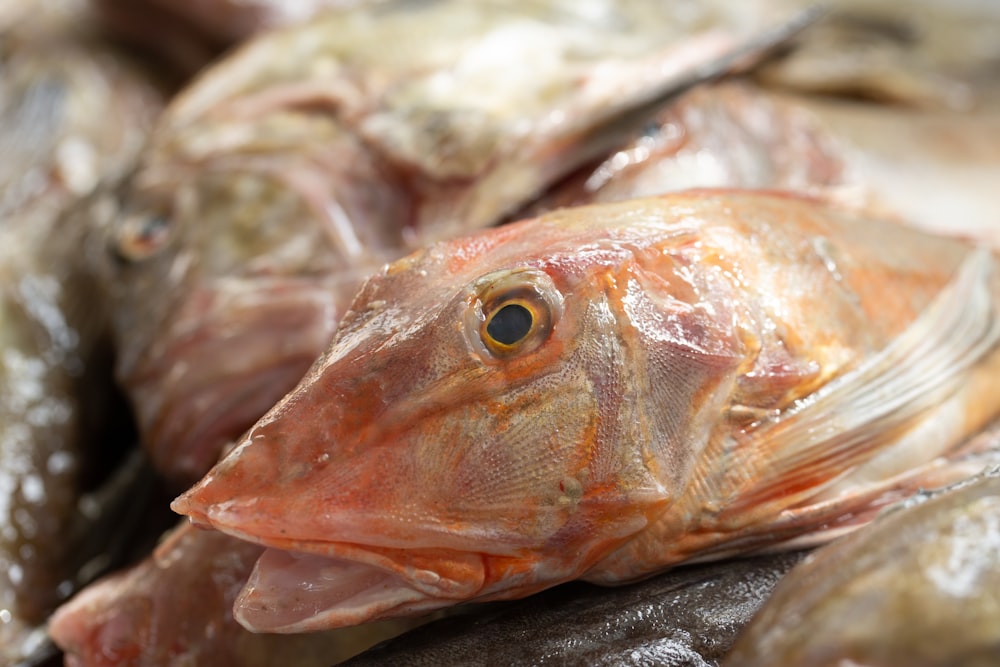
186 226
55 359
453 467
929 168
732 134
169 610
925 54
688 617
188 35
313 155
918 587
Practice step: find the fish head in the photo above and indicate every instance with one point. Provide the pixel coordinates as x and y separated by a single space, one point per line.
229 271
484 425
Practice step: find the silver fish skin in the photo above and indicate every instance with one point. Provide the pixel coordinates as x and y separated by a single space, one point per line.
58 87
314 154
917 588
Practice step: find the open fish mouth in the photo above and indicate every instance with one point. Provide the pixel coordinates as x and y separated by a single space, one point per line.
295 591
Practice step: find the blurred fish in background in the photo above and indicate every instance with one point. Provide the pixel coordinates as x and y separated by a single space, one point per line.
187 35
920 587
64 490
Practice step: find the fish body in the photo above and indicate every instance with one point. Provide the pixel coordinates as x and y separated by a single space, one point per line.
918 587
171 609
732 134
924 54
931 168
290 171
604 392
188 35
934 169
58 85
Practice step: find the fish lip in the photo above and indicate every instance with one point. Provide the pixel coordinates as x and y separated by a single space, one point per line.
410 564
305 586
291 592
399 561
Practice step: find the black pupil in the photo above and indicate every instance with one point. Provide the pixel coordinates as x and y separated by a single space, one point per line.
152 228
509 324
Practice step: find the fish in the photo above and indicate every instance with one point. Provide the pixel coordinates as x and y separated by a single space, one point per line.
168 610
605 392
918 587
926 54
66 481
188 36
85 629
732 134
929 168
302 163
688 617
911 93
245 244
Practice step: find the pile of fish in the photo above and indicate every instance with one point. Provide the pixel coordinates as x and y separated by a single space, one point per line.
418 308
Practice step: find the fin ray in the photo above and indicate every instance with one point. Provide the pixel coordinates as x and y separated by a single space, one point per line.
847 421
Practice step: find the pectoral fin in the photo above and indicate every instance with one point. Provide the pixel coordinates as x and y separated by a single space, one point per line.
825 435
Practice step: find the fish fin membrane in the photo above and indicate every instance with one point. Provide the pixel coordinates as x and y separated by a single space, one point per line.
822 437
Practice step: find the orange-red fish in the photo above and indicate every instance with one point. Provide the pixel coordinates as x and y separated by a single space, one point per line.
602 393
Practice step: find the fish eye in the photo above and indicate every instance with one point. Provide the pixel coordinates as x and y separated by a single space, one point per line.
515 312
510 324
141 236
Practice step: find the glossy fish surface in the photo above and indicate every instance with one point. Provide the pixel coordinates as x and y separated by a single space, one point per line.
173 608
604 392
311 156
919 587
732 134
58 85
934 169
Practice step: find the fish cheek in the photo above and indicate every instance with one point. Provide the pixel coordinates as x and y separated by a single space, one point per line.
686 358
519 478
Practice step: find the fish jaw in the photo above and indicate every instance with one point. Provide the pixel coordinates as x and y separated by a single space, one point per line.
391 562
292 592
